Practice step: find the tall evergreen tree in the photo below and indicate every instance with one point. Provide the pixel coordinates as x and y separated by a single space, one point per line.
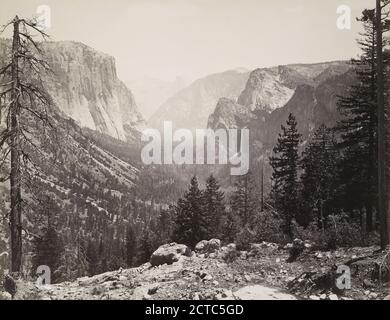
358 128
191 224
166 224
131 246
92 258
285 173
319 177
48 248
145 247
230 226
382 25
213 207
244 200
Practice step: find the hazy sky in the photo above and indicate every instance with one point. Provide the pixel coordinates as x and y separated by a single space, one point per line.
192 38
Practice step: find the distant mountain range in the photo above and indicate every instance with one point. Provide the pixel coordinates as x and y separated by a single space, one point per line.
151 92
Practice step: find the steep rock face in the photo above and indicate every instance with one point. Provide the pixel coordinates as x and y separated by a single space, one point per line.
269 89
85 86
229 114
310 92
265 90
191 107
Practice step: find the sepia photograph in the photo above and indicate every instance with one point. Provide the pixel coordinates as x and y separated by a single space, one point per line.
178 151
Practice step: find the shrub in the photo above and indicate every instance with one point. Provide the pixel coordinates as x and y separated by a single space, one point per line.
268 227
311 233
244 239
340 231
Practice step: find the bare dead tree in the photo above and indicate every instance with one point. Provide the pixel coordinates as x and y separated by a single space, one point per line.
23 101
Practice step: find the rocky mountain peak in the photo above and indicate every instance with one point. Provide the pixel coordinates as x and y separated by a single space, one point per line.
85 87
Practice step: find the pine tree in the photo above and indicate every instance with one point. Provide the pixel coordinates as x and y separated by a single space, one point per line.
382 25
22 99
166 224
82 263
230 226
285 173
319 177
48 250
358 128
145 248
131 246
92 259
213 207
191 224
244 200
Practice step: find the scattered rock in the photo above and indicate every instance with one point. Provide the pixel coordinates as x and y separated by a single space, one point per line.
98 290
196 296
368 284
373 295
146 297
169 253
313 297
207 278
231 246
387 297
5 296
297 248
210 246
201 246
218 296
227 294
333 297
153 289
214 245
247 278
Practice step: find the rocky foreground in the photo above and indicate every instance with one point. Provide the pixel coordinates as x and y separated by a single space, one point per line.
212 272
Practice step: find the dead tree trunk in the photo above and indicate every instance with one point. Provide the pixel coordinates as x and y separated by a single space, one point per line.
23 93
15 176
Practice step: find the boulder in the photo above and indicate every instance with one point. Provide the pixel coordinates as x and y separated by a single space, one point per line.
232 246
201 246
214 245
169 253
368 284
210 246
